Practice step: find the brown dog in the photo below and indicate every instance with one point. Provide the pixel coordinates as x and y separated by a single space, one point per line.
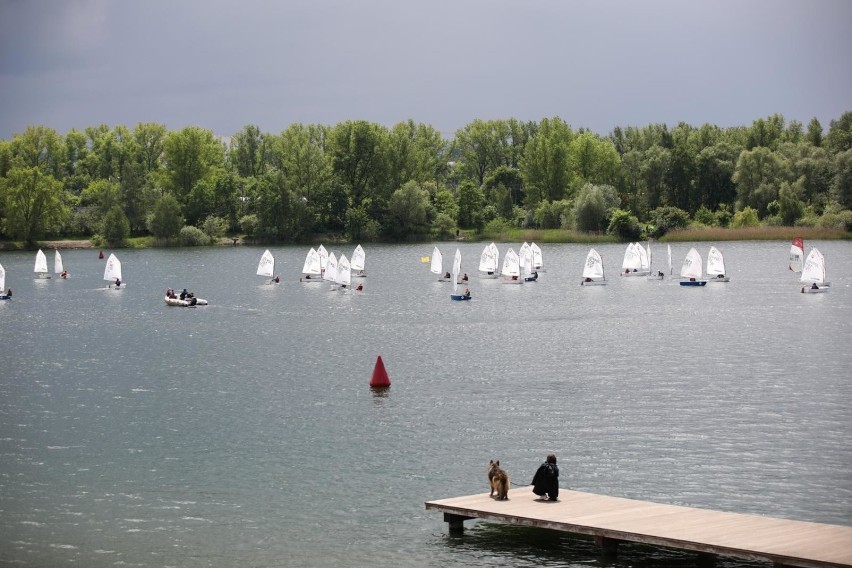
499 480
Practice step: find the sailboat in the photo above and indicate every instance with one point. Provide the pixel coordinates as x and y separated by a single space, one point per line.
716 266
537 261
266 266
112 272
488 262
593 270
797 254
456 269
41 265
632 263
3 294
57 266
526 259
437 265
358 261
511 271
691 269
813 273
330 274
323 256
344 272
658 275
311 270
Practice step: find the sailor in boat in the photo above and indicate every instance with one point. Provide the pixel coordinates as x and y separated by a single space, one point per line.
118 282
464 278
447 275
720 276
813 287
9 293
276 279
588 279
63 274
467 292
692 279
184 294
360 287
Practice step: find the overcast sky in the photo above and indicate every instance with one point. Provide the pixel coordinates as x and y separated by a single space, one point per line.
597 64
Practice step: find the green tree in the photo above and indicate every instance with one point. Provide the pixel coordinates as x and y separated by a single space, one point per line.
668 218
471 200
592 206
189 155
546 164
814 134
485 146
839 137
101 194
714 170
410 212
282 214
115 227
359 225
512 183
445 203
359 160
624 226
594 159
444 226
841 188
166 220
746 218
39 147
33 203
300 155
415 152
791 206
250 150
758 174
655 167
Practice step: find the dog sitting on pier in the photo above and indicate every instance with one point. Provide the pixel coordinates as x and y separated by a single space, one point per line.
499 480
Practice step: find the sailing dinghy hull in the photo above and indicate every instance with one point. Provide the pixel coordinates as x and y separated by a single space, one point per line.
178 303
693 283
459 297
810 290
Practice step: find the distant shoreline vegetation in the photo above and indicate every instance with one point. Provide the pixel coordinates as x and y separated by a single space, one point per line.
361 181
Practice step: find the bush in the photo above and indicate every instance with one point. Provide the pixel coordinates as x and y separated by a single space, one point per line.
248 225
704 216
668 218
444 226
496 227
745 218
115 227
214 227
625 226
193 237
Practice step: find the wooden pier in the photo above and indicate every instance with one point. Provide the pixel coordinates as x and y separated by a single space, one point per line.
613 519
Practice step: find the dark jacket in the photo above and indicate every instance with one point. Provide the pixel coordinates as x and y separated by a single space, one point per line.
546 480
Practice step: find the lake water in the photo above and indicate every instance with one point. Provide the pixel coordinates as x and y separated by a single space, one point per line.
244 433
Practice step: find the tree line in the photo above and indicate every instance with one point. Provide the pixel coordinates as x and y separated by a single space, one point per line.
364 181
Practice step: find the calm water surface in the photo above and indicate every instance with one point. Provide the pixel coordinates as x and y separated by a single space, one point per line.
244 433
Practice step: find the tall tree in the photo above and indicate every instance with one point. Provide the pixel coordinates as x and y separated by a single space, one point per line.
189 155
546 165
758 174
814 134
33 203
359 160
839 137
594 160
39 147
250 150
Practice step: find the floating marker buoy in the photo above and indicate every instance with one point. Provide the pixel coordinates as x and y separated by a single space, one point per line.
101 255
380 378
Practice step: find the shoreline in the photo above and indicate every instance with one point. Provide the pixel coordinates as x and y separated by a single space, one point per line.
704 234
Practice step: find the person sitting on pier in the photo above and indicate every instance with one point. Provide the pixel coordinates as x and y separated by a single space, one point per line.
546 479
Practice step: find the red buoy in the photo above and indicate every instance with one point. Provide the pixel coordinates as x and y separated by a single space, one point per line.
380 376
101 255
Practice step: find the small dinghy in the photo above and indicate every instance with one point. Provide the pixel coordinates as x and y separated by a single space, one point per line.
593 271
455 296
813 273
691 270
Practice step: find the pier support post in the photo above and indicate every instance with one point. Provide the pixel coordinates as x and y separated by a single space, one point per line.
608 546
706 560
455 523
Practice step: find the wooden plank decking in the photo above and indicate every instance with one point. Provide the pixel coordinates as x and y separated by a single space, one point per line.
612 519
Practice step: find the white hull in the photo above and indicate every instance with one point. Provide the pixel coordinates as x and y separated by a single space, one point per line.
717 279
486 275
637 273
184 303
810 290
510 280
593 283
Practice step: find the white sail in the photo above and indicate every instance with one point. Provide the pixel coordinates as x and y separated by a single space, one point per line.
524 254
344 271
496 255
312 264
691 267
813 269
456 270
594 268
40 263
2 280
57 264
437 266
537 261
511 265
797 254
330 273
323 256
487 261
266 266
632 259
358 258
644 258
715 262
113 269
526 260
669 247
